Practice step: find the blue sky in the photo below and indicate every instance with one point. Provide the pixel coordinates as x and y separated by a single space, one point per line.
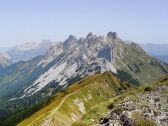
144 21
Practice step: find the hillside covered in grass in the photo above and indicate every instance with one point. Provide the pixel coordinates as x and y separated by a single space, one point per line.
145 106
70 105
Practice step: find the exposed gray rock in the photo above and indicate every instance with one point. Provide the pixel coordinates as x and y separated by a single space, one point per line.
112 35
152 105
89 35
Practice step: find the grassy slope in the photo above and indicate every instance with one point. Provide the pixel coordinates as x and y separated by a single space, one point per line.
139 64
89 92
92 117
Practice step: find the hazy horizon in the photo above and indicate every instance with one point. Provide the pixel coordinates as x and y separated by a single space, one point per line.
34 21
7 47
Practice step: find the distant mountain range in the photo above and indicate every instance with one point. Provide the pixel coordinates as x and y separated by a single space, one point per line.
4 49
162 57
24 52
159 51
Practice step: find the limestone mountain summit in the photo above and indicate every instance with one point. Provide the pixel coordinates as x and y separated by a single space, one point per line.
74 59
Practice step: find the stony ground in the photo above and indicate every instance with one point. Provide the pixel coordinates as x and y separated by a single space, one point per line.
147 108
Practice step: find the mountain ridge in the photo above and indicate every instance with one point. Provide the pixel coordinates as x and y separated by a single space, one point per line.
157 50
24 52
27 83
83 57
84 89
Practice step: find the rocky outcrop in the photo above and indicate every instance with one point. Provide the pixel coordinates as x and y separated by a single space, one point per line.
112 35
70 42
89 35
149 106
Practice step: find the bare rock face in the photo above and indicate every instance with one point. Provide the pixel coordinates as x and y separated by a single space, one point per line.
4 59
112 35
69 42
54 50
150 105
89 35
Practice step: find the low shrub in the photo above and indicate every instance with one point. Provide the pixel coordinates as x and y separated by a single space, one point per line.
110 106
148 89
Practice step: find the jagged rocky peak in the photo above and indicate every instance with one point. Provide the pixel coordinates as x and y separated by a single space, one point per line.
68 43
89 35
71 38
136 46
27 46
55 49
112 35
46 43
